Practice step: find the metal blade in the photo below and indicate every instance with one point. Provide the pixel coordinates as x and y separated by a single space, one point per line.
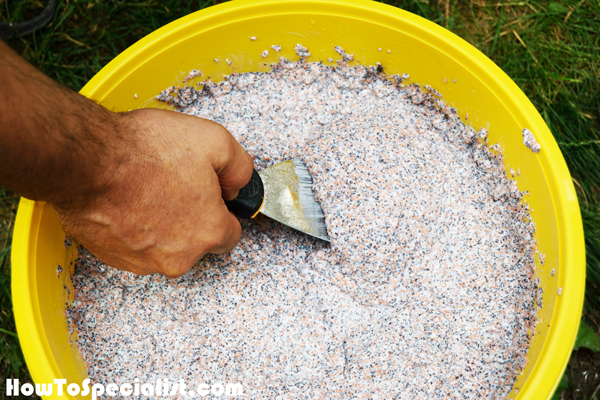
290 200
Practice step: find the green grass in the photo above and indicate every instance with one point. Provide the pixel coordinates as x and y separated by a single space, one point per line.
550 49
11 359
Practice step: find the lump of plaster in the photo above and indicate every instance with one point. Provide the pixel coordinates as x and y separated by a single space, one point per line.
346 57
483 134
530 142
193 73
301 50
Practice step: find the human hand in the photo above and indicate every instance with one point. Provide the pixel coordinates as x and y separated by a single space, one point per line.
142 190
158 204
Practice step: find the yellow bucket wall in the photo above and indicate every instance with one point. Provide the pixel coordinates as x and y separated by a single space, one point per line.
421 48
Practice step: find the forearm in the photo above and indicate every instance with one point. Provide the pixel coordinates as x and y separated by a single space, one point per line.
53 141
142 190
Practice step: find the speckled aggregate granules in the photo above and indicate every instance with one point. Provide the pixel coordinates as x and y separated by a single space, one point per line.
427 290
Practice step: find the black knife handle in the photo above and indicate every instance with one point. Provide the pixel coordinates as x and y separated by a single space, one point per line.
249 200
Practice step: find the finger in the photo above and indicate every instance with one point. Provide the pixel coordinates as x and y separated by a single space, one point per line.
232 164
231 234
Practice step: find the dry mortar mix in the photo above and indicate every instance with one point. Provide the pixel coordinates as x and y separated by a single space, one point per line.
427 290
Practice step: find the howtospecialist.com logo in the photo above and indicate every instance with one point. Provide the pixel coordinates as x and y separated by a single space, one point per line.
161 387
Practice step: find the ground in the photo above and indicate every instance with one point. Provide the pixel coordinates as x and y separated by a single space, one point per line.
583 374
550 49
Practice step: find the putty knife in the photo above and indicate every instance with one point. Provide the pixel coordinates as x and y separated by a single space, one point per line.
284 193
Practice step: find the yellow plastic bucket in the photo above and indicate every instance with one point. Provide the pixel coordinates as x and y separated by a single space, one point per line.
429 53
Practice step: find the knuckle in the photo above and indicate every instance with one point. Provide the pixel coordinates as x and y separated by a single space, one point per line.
227 150
220 237
172 266
249 161
176 270
230 148
212 242
225 140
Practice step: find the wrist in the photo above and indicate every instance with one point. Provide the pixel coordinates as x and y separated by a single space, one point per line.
57 145
104 145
